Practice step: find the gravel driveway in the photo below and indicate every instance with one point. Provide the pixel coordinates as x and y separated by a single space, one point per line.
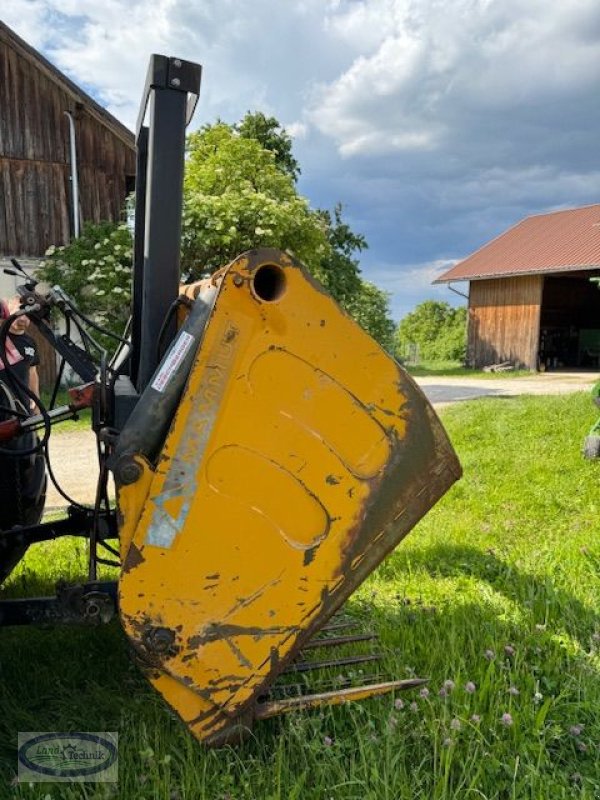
441 390
73 453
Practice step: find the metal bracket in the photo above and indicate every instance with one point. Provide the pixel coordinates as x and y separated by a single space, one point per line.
90 603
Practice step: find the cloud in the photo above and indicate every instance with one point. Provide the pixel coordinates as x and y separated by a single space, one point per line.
437 124
257 54
409 284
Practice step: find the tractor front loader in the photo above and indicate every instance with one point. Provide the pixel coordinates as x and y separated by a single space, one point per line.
267 455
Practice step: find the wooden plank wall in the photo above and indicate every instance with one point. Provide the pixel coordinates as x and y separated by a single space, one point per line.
35 193
35 196
504 321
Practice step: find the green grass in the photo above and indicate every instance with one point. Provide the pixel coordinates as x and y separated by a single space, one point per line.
507 564
81 423
455 368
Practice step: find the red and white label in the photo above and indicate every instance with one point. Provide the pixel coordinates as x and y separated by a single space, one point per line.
172 362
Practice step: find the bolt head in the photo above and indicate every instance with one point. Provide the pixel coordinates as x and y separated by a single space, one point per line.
128 471
175 82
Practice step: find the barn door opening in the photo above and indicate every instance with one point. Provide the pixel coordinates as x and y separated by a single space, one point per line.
570 322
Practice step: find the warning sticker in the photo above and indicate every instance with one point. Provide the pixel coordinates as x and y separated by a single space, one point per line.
171 363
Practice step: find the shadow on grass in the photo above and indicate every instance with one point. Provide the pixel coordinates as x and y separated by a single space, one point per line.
547 602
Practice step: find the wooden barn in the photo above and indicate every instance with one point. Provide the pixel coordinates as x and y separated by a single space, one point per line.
64 160
531 300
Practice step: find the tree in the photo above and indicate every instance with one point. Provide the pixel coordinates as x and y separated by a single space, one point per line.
236 199
338 269
239 194
371 309
270 134
437 329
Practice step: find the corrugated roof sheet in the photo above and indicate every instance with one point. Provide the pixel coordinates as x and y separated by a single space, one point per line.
556 242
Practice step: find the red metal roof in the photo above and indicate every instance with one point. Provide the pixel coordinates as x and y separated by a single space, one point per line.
557 242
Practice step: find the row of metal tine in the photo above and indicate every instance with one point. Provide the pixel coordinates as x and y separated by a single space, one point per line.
331 636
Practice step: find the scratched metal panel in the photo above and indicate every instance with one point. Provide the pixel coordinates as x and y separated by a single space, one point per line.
300 456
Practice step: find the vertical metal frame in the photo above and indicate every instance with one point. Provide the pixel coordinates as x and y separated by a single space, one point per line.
159 202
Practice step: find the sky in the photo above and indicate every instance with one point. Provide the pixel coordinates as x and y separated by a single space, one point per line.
436 123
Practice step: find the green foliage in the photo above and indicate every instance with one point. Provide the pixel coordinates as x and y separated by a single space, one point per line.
269 133
436 329
237 199
95 270
239 194
338 270
370 308
474 595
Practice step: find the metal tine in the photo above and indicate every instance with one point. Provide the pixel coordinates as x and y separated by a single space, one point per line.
339 626
339 640
337 696
299 690
307 666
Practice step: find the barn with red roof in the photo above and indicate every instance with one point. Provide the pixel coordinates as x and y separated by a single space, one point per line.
531 300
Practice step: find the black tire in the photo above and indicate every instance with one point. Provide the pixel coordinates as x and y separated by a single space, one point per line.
22 493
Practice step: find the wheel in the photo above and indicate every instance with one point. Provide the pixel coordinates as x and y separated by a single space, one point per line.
22 493
591 447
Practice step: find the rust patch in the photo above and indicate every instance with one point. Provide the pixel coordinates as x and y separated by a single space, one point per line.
216 632
133 559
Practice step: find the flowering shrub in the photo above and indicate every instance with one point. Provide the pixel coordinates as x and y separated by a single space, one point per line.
95 270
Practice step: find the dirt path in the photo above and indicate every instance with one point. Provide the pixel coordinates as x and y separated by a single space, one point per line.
442 390
74 452
75 465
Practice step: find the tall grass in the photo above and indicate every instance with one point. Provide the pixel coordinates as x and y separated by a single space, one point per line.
494 597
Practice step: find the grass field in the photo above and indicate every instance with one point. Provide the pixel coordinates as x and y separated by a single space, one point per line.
494 597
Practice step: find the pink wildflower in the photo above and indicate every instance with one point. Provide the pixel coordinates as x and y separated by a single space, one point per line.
507 719
398 704
470 687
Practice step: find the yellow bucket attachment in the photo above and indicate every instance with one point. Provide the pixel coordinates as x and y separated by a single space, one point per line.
300 455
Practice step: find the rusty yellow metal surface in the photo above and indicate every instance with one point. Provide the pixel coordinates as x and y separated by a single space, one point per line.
300 456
